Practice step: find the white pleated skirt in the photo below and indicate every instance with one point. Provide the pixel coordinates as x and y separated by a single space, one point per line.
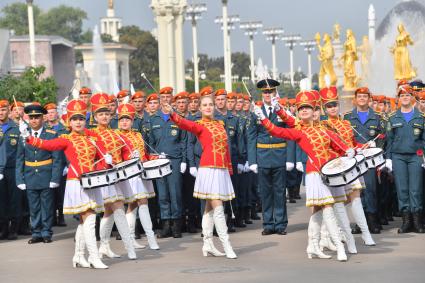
213 184
78 200
357 185
141 188
318 194
119 192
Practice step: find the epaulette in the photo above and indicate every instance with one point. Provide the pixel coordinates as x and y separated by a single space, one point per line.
64 136
50 131
392 113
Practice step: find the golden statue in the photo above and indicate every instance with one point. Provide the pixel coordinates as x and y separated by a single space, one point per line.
402 66
349 58
110 4
326 55
366 53
336 32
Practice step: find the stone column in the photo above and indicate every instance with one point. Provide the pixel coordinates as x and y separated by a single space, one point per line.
179 50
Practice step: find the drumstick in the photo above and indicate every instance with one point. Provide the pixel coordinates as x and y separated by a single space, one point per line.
125 144
103 155
374 139
357 132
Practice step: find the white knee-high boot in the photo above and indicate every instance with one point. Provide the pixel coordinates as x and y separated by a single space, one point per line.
145 219
331 223
359 217
325 239
344 222
79 259
207 231
221 227
105 229
124 230
131 220
313 248
89 228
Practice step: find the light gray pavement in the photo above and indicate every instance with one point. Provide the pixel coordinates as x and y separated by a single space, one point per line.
396 258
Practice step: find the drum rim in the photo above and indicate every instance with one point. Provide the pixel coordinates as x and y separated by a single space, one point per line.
342 172
375 154
167 163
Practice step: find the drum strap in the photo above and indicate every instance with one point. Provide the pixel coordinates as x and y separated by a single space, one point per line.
73 170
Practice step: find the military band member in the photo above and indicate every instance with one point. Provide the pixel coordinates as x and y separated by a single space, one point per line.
213 180
10 195
39 173
405 144
165 137
82 154
267 157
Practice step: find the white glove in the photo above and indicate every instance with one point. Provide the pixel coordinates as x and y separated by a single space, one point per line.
135 154
350 153
289 166
183 167
423 166
65 171
289 113
371 143
240 168
246 167
22 187
300 167
53 185
108 158
162 155
254 168
1 177
259 113
275 103
23 128
359 151
193 171
389 164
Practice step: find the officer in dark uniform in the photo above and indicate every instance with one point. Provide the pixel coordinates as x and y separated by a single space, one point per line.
10 195
165 137
38 172
367 125
267 156
406 137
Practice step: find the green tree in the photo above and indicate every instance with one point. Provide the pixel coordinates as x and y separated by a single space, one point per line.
15 17
64 21
145 58
29 87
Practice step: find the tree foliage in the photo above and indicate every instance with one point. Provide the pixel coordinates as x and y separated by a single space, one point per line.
29 87
15 17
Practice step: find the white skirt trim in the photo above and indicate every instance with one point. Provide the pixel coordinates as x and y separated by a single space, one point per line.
213 184
318 194
141 189
119 192
78 200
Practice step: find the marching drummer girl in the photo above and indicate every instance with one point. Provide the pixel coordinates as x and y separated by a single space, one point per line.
81 152
319 144
114 196
142 189
329 97
213 182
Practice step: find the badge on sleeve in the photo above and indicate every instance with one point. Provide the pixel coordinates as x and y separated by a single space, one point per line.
13 142
174 132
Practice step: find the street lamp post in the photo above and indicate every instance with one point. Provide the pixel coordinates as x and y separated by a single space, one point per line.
272 34
291 41
309 47
193 14
228 25
227 75
31 32
251 30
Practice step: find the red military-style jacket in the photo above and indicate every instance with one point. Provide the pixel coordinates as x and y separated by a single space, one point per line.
81 150
213 138
135 142
343 129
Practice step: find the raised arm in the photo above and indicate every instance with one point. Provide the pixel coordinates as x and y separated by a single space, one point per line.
284 133
289 120
50 145
186 124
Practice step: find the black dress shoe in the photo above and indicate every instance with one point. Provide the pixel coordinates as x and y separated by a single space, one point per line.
61 221
35 240
281 232
267 232
47 240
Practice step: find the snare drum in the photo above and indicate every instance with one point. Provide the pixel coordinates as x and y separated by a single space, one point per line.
98 179
340 171
361 163
155 169
129 169
374 157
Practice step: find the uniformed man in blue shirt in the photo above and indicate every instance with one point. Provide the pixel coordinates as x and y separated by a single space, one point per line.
267 156
10 195
367 125
165 137
39 172
405 147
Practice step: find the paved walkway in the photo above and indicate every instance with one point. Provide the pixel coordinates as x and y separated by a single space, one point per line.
396 258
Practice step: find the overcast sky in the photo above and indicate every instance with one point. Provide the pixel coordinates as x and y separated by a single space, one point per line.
305 17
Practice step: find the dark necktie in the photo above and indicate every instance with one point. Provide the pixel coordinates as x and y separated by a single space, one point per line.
270 112
36 134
